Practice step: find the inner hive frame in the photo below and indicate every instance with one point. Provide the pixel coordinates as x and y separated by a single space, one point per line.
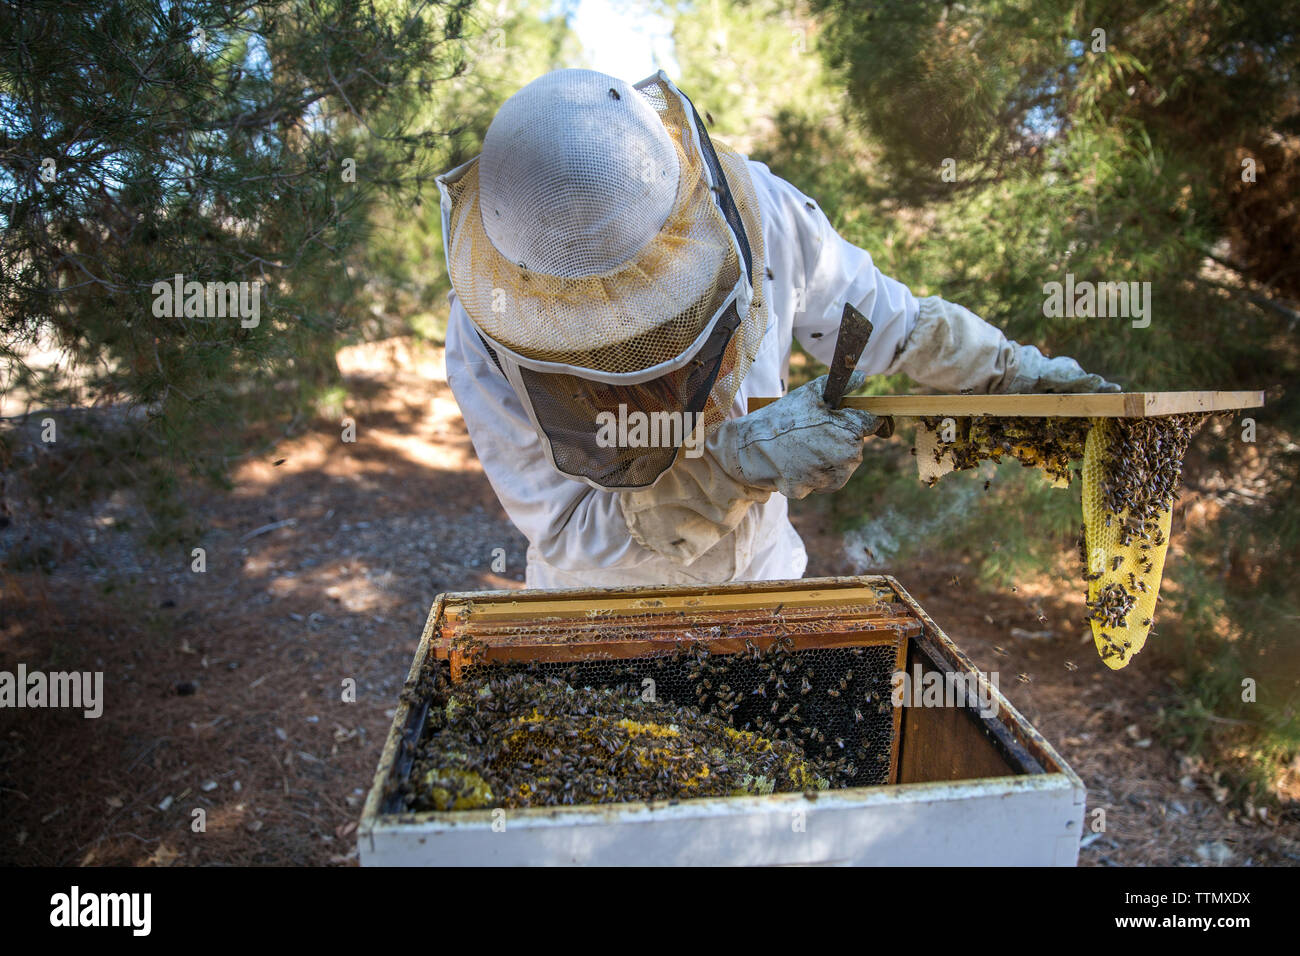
788 668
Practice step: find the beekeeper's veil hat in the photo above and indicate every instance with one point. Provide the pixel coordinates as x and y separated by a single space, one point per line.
609 255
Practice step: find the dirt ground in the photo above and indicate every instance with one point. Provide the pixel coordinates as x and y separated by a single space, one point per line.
225 690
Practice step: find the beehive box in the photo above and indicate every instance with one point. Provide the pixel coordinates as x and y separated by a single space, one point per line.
959 783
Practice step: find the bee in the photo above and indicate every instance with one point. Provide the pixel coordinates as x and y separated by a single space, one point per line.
1071 666
1023 678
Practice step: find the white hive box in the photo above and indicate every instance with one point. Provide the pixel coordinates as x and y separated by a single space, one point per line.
956 787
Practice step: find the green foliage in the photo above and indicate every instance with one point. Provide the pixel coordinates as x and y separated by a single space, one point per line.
212 141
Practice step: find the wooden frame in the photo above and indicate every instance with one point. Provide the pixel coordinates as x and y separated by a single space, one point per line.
592 625
1084 405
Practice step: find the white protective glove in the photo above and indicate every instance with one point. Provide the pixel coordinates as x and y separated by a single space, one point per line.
796 445
952 349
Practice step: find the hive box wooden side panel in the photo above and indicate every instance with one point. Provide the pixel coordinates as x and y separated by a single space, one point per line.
1007 821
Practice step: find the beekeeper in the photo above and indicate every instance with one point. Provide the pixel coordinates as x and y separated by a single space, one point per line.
622 285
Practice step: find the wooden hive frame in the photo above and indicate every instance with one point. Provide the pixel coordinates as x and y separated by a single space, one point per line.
614 625
1082 405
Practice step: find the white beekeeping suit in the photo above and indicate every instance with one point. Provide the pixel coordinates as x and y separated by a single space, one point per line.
604 253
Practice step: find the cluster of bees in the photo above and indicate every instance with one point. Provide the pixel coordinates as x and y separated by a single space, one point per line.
1051 444
716 724
1144 467
826 701
521 740
1112 606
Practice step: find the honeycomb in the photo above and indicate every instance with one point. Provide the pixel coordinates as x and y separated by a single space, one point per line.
1132 468
1050 444
667 725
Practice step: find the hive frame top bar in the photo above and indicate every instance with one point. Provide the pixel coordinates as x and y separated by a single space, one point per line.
1084 405
582 624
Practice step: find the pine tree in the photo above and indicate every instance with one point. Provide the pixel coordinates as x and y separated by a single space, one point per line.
142 140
